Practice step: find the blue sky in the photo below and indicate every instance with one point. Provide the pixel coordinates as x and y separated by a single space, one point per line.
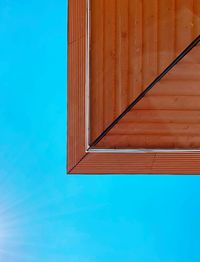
48 216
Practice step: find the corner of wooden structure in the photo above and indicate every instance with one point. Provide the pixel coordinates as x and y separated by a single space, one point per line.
72 169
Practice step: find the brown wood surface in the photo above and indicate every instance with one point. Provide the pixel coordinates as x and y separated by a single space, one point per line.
76 82
168 117
133 41
81 162
149 163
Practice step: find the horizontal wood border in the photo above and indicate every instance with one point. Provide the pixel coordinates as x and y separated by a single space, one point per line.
79 160
139 163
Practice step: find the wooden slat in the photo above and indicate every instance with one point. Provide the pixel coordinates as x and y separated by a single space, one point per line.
176 87
115 163
144 163
109 56
170 103
150 141
193 57
122 55
184 23
196 21
159 129
166 116
185 72
76 82
97 67
166 20
135 48
150 42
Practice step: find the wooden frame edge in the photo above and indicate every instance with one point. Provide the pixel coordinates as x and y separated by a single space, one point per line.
73 169
77 15
139 163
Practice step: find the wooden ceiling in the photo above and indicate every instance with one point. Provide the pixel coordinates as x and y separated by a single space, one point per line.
132 42
168 116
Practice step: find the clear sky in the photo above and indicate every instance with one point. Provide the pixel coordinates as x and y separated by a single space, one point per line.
48 216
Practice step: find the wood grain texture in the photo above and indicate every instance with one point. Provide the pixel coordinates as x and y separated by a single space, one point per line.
80 162
144 163
76 82
168 117
132 42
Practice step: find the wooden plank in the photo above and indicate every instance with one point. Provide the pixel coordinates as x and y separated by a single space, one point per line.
146 163
176 87
122 55
97 68
166 29
135 48
166 116
150 141
109 62
170 103
184 23
76 82
196 21
159 129
150 42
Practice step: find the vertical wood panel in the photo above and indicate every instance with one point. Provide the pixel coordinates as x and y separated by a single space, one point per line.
166 30
150 41
184 24
109 61
122 48
97 68
135 48
76 81
196 11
